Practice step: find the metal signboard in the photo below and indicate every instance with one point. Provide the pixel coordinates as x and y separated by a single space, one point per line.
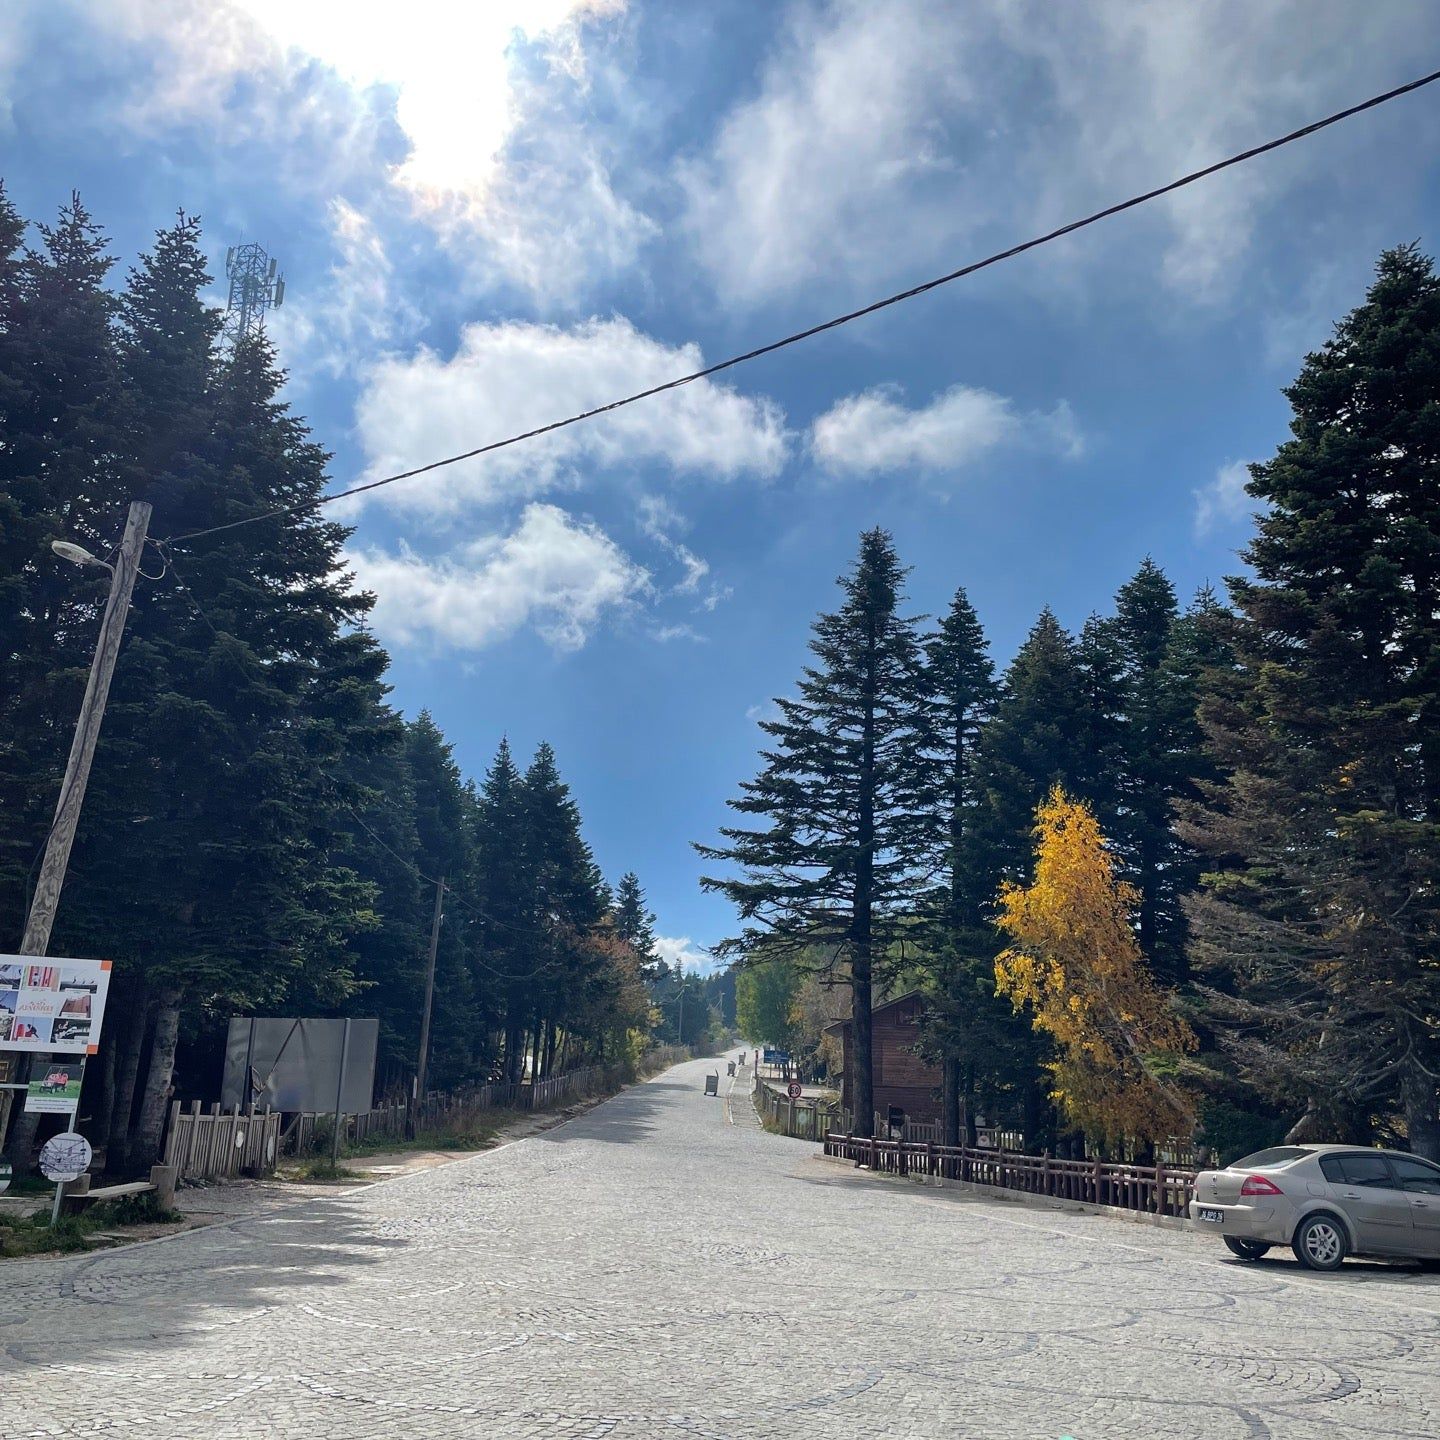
52 1006
57 1090
794 1089
309 1065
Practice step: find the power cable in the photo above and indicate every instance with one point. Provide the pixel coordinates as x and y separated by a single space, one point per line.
811 331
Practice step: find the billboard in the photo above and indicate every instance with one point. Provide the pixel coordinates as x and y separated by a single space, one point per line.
52 1005
300 1064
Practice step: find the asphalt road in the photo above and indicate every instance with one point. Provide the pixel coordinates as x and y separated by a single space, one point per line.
652 1269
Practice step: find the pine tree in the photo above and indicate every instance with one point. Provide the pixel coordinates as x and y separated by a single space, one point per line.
509 917
1158 761
567 907
635 924
59 437
1033 742
1320 913
846 800
960 948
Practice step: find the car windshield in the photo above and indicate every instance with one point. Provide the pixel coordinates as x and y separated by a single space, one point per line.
1270 1159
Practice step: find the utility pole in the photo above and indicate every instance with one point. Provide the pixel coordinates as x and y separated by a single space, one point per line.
424 1062
680 1007
77 769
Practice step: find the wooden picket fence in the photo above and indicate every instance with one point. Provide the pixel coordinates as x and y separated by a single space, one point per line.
1158 1189
221 1144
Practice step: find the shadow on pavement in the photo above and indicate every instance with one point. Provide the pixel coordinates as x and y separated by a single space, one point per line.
120 1303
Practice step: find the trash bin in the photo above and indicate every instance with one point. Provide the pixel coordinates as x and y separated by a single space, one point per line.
712 1085
730 1068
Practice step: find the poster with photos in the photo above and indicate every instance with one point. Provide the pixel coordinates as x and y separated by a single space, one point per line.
52 1004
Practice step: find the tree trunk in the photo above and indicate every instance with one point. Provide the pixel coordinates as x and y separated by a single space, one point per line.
1422 1115
535 1047
102 1104
20 1151
156 1099
514 1042
950 1100
127 1072
549 1048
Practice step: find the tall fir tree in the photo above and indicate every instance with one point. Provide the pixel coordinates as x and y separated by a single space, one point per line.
1321 912
960 948
1158 761
635 924
846 801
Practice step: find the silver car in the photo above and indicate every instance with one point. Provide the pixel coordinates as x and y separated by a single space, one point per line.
1325 1202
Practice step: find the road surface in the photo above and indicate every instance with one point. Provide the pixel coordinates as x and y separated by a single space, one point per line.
651 1269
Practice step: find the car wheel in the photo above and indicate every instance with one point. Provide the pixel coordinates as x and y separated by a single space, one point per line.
1245 1249
1320 1242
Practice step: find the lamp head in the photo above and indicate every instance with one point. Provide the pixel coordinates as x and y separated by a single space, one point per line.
76 554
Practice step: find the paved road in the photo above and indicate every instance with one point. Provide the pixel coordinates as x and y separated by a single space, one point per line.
653 1270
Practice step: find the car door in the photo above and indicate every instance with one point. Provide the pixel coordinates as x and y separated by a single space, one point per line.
1421 1183
1378 1210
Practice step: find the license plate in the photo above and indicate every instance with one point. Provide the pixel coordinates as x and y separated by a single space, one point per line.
1215 1217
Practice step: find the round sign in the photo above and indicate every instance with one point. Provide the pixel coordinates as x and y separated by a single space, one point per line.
65 1157
794 1089
4 1176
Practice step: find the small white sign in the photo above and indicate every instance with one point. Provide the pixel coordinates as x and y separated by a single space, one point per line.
65 1157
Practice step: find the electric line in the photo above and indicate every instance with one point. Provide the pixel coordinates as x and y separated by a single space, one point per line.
832 324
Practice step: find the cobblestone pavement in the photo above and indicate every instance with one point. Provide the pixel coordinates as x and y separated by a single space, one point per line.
652 1269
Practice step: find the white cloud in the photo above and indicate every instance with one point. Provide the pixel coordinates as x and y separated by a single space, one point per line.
552 572
682 948
512 377
874 431
982 123
475 112
1223 502
355 310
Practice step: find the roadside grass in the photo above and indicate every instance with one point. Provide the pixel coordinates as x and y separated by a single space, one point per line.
33 1234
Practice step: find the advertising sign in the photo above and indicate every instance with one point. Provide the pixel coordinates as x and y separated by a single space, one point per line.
57 1091
52 1005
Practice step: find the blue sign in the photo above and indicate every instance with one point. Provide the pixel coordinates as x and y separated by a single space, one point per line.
777 1057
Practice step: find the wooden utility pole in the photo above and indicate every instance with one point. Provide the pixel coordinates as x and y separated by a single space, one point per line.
423 1064
41 919
87 732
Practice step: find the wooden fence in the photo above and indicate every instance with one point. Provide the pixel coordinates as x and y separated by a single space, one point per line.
808 1118
1154 1189
223 1143
311 1131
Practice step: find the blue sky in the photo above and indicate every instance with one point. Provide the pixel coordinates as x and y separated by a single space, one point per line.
491 215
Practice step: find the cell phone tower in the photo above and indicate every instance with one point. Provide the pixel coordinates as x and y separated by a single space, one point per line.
254 288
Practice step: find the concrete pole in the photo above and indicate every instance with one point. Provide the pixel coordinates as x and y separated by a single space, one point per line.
423 1064
46 901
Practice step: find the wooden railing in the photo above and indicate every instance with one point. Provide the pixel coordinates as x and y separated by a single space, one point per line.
1153 1189
223 1143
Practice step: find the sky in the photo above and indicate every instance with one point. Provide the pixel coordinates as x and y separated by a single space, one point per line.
491 215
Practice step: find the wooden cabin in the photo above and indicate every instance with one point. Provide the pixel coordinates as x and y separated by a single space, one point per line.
901 1077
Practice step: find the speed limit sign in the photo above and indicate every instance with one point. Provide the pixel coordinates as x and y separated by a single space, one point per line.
794 1089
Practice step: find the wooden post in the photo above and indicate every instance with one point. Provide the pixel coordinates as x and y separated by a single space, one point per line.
1096 1181
1160 1206
423 1063
46 901
1045 1175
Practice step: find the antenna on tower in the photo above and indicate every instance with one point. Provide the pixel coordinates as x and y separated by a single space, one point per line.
255 287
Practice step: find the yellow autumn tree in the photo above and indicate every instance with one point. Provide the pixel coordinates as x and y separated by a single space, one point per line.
1074 959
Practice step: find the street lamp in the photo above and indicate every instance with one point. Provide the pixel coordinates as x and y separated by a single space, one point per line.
78 555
